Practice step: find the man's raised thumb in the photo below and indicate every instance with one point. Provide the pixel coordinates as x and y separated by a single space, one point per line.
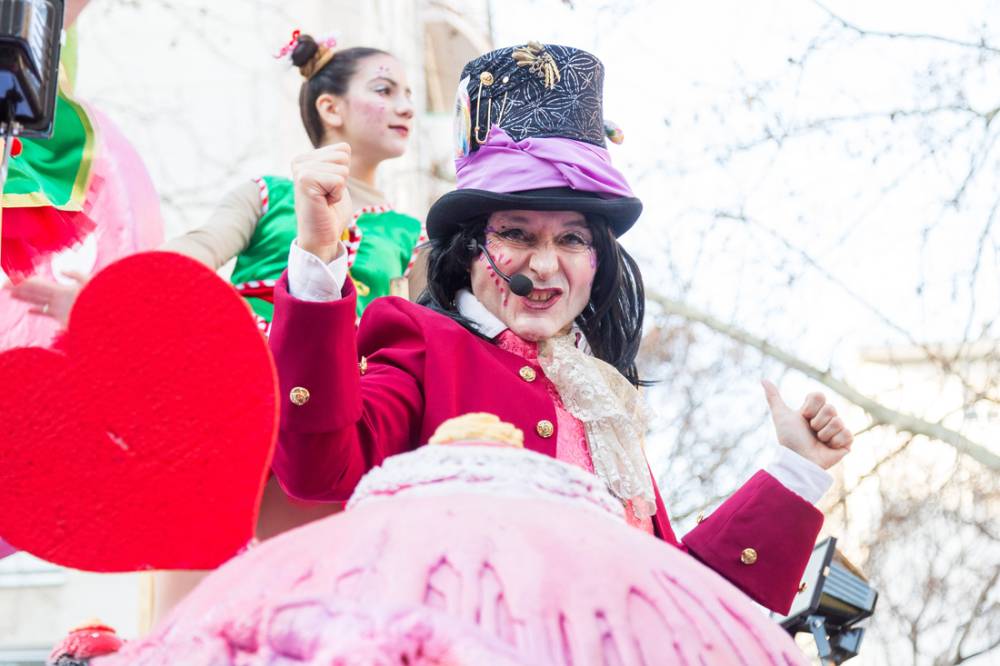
774 400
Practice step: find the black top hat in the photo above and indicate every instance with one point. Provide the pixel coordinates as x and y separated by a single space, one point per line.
530 135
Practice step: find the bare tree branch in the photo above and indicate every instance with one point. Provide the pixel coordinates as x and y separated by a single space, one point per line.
973 616
880 413
967 657
920 36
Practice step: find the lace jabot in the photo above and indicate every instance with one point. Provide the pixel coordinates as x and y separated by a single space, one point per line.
613 416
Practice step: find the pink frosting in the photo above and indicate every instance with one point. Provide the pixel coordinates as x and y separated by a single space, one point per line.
463 578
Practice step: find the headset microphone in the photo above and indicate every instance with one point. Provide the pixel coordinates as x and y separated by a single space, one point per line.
520 284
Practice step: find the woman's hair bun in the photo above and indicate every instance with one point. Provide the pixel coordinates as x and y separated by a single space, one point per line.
304 50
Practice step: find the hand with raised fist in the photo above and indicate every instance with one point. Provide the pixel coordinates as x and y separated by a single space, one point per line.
322 202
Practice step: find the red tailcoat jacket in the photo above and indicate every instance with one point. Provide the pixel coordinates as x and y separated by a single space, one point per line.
384 389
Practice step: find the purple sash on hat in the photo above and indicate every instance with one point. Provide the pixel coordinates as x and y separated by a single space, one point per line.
505 166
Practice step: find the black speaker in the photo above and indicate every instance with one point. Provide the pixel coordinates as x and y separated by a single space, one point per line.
29 64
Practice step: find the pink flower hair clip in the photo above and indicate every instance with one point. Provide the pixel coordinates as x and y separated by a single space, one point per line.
286 50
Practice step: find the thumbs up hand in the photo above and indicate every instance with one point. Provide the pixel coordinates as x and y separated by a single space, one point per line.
815 432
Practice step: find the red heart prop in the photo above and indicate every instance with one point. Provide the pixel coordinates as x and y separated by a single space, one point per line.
143 441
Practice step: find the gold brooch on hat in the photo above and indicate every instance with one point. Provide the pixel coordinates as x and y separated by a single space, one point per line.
539 62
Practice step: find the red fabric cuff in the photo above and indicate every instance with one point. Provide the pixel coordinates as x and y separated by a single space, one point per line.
760 540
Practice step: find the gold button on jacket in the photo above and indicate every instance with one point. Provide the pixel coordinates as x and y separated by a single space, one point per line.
748 556
299 396
545 428
363 365
527 373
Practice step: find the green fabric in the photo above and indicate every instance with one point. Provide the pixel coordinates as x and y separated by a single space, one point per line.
387 243
47 169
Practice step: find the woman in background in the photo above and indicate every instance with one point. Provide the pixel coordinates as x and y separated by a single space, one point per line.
359 96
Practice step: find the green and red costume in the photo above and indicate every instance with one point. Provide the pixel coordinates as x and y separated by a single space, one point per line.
381 245
43 199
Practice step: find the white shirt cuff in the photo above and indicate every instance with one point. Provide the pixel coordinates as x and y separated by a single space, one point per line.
803 477
309 279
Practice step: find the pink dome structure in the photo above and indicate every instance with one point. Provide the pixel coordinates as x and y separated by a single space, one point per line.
466 555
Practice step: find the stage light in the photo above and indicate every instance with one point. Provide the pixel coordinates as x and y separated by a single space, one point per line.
29 64
833 598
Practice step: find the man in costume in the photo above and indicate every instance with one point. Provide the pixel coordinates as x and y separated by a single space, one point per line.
534 313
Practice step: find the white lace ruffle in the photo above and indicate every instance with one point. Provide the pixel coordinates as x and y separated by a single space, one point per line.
613 416
441 470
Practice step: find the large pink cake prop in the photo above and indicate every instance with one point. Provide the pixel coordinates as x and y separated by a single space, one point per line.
466 555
